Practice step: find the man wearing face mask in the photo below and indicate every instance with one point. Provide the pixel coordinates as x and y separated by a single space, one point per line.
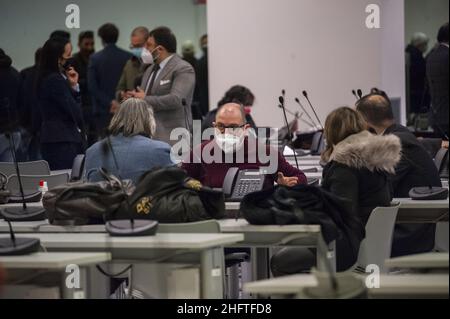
231 137
80 62
168 86
133 68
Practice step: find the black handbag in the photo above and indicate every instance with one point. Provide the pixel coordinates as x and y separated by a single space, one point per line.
169 195
82 203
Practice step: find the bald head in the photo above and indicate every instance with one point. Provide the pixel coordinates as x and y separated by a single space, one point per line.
376 109
231 113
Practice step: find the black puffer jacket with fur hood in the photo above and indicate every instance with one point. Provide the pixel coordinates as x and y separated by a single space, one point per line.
358 170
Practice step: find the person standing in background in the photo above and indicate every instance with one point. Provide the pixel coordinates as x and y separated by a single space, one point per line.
30 117
104 71
418 95
80 62
59 101
168 86
438 80
9 90
188 52
202 77
133 68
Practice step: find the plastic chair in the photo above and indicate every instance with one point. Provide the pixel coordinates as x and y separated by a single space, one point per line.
441 161
31 182
26 168
376 247
77 168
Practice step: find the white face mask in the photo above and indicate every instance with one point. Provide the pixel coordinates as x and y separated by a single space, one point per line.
147 57
229 143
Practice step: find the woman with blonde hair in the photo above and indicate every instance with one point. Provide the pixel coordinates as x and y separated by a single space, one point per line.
131 130
357 170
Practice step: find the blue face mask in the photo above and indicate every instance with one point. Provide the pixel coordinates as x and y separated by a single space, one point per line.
137 52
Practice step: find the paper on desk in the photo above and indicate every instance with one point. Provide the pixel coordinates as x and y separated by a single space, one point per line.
288 151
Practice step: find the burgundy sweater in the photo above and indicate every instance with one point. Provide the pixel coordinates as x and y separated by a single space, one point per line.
213 174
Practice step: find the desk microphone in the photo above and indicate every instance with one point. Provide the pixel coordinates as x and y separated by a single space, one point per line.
24 213
281 99
13 246
360 94
429 192
314 124
305 94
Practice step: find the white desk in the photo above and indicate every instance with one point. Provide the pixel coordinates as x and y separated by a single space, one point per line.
203 249
416 211
45 227
62 171
313 175
411 211
34 265
268 236
420 261
391 286
304 162
53 261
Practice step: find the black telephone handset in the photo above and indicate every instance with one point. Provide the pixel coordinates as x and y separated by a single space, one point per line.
238 183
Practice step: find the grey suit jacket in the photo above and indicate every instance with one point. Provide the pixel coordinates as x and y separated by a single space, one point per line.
175 83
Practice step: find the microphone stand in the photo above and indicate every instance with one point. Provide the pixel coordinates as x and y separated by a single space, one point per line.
23 213
281 99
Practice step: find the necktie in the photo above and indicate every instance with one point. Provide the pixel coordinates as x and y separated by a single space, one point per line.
152 79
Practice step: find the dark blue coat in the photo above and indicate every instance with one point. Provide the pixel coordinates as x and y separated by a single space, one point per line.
60 110
104 71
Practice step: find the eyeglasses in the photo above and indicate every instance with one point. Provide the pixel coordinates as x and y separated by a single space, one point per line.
233 128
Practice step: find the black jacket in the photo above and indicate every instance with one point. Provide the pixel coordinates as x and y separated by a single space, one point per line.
28 105
60 108
104 71
416 168
417 80
438 80
9 89
358 171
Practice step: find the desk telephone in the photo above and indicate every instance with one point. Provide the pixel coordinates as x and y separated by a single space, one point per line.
238 183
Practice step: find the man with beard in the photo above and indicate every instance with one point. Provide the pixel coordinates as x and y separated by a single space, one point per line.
80 63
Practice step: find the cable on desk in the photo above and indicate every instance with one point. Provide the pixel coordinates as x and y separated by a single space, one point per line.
129 267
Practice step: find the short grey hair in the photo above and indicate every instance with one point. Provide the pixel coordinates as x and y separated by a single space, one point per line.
419 38
238 105
141 30
134 117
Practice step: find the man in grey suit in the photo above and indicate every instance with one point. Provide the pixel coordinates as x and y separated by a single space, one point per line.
168 85
438 79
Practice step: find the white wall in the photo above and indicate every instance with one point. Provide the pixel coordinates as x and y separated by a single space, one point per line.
322 46
425 16
26 24
393 52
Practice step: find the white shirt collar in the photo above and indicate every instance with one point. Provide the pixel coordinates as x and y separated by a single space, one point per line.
165 61
445 44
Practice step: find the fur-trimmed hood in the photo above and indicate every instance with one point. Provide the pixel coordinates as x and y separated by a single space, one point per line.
365 150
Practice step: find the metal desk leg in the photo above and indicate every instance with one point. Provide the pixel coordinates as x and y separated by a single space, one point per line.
329 252
212 273
74 293
260 267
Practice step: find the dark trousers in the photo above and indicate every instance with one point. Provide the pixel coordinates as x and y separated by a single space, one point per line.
60 155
